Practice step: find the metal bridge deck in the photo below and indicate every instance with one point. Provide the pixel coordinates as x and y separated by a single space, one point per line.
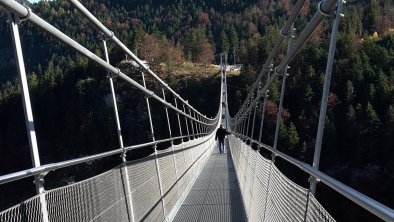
215 196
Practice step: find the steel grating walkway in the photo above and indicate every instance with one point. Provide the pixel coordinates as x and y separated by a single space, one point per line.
215 196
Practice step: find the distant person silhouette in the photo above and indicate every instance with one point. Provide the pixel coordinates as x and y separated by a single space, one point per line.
221 133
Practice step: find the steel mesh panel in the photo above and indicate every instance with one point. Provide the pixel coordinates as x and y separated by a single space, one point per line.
29 210
170 198
240 169
180 159
287 198
155 215
168 176
167 169
269 195
260 189
246 174
316 212
100 198
141 171
251 177
145 190
188 154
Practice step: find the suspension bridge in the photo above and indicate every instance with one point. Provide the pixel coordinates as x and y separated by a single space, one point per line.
190 180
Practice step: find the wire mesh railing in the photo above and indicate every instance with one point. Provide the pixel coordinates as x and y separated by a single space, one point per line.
150 189
268 194
120 194
245 119
104 197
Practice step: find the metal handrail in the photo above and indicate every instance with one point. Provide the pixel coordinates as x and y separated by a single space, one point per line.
55 166
112 36
376 208
324 8
23 12
267 65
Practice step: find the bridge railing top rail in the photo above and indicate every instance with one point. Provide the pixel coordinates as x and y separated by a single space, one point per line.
251 100
267 65
24 12
55 166
109 34
360 199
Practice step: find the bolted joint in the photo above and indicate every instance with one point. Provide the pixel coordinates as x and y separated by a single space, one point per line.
276 71
166 106
141 69
149 94
114 74
273 156
320 10
40 179
111 35
103 36
288 34
312 179
26 17
283 34
123 155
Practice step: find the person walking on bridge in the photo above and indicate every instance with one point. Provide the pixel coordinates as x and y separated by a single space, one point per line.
221 134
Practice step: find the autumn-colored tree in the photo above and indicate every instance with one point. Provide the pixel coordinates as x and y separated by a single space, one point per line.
150 50
205 54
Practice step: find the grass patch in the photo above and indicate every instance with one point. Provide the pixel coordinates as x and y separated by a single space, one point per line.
191 69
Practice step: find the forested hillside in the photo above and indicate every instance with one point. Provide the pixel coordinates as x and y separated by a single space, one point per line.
73 117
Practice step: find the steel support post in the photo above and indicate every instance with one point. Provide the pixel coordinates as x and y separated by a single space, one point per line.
221 62
282 92
124 171
323 8
172 141
248 125
118 128
168 118
200 127
204 126
326 91
191 123
179 120
254 119
154 146
187 125
180 129
31 132
254 173
268 189
196 123
244 125
262 115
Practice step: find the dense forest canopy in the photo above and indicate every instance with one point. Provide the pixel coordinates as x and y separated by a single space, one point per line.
358 138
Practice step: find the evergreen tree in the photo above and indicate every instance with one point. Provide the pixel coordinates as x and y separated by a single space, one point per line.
349 94
233 43
224 42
